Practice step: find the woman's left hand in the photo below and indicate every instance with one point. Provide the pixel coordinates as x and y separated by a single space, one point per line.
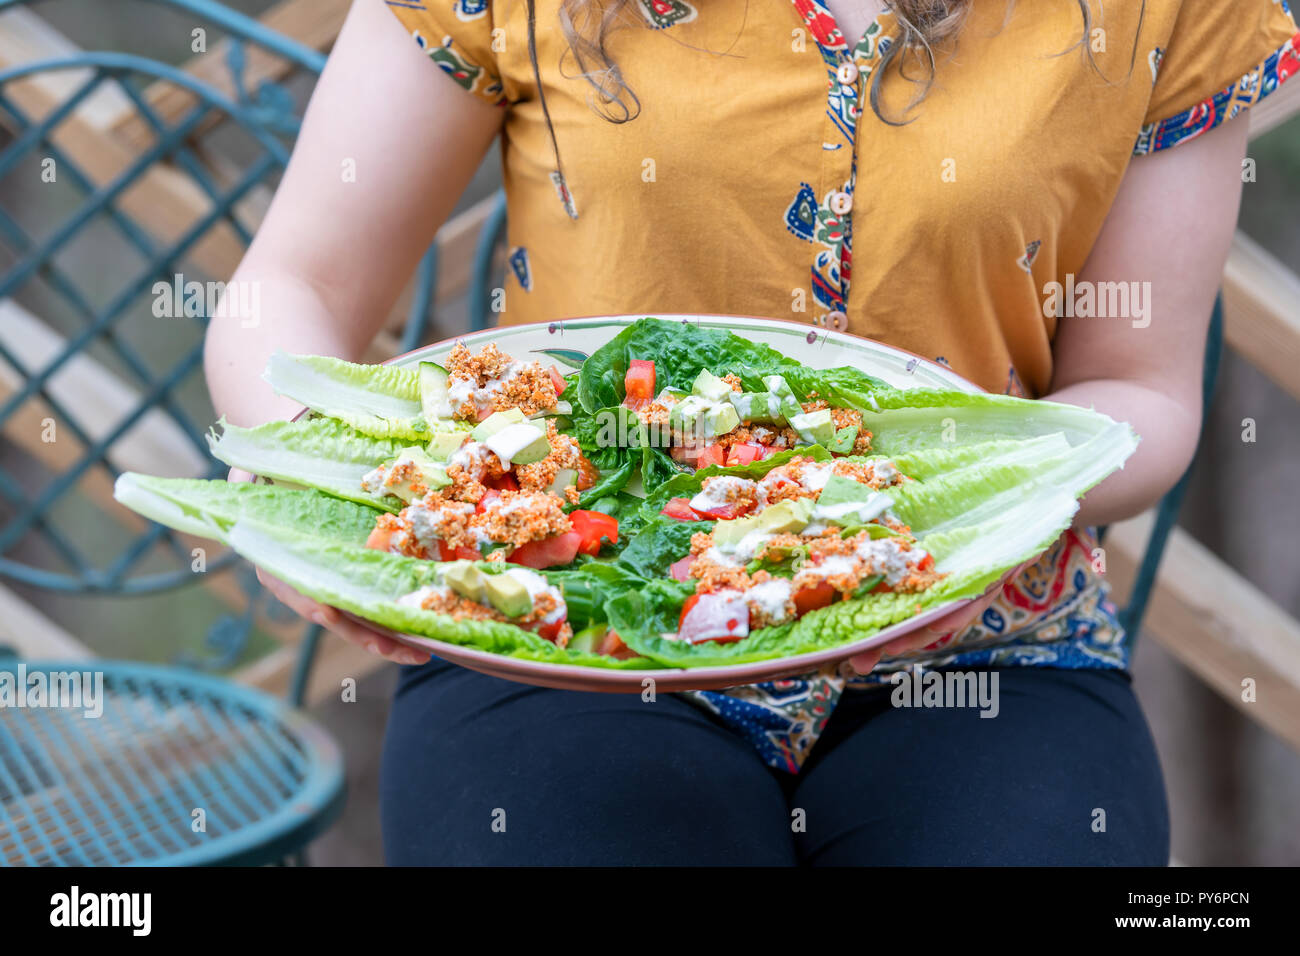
939 630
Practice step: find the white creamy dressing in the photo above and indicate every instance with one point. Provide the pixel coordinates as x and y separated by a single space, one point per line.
721 491
372 482
885 471
770 598
511 440
875 506
417 598
711 616
425 520
467 390
815 476
885 556
474 457
536 585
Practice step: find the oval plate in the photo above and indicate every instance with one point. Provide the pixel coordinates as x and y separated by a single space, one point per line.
567 343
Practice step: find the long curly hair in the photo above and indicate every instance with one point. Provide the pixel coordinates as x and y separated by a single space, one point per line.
924 27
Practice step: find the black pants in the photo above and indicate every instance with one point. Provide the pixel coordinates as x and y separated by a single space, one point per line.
478 770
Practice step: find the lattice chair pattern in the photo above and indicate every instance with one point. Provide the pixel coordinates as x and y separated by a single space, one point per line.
99 373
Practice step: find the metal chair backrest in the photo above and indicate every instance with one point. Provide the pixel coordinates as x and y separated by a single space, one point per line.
98 371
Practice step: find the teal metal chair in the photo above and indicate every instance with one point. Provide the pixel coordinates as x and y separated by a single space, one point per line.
182 767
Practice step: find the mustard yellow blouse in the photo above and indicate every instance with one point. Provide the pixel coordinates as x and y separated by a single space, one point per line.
756 180
738 188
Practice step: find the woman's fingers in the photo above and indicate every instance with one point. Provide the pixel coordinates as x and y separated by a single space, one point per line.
866 662
337 623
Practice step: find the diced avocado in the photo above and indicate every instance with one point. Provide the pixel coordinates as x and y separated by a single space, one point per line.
497 421
588 639
840 490
844 439
786 517
847 503
707 385
519 444
685 412
563 478
702 417
507 594
430 472
761 407
433 392
465 579
727 534
443 444
778 386
790 407
561 407
815 428
721 419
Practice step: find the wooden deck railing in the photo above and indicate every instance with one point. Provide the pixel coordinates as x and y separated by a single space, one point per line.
1203 612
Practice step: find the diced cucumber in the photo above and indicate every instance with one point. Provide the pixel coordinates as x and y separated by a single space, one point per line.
433 392
588 639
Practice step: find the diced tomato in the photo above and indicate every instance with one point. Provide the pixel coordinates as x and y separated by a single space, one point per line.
487 499
682 454
506 482
381 538
926 563
811 598
639 383
766 451
722 617
594 526
484 413
558 381
588 474
551 631
743 453
447 553
613 646
549 552
710 455
687 607
727 511
680 508
681 570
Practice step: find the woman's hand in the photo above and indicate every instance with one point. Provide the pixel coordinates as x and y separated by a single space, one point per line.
938 630
331 618
336 622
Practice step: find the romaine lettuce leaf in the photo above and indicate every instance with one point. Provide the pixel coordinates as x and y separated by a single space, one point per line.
369 583
211 508
378 400
317 452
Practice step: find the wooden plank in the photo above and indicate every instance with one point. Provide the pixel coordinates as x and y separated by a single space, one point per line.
25 36
1217 623
33 635
165 201
97 398
314 23
336 660
1261 311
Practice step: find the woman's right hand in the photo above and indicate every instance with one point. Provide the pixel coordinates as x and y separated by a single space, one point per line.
331 618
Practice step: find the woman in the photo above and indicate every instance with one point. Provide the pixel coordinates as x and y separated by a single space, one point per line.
942 180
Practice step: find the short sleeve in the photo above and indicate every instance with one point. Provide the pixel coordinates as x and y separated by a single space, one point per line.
458 35
1220 58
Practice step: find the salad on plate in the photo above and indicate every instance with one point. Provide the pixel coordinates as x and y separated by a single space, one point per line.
685 498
